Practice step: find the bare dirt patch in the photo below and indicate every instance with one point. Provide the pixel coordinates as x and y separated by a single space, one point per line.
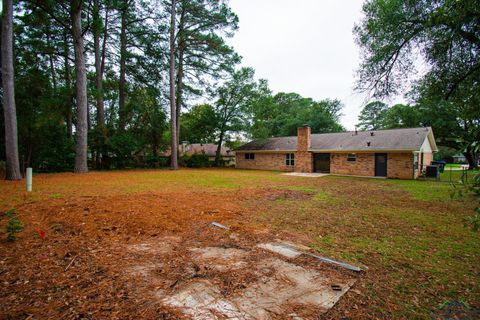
289 195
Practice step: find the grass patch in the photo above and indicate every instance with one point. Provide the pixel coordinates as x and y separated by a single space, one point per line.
323 196
423 190
306 189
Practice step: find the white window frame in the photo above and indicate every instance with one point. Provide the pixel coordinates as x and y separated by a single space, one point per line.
249 156
351 157
290 159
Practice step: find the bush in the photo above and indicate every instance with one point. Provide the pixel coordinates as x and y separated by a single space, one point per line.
13 226
157 161
199 160
123 145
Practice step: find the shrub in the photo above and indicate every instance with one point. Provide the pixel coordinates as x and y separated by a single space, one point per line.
157 161
13 226
197 160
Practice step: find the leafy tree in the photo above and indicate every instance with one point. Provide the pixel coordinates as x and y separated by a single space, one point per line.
456 121
231 107
444 34
372 116
283 113
199 125
202 52
402 116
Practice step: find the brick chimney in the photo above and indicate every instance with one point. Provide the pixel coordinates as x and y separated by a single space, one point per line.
303 158
303 138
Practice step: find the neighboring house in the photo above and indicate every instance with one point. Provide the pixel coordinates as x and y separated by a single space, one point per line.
459 158
210 149
394 153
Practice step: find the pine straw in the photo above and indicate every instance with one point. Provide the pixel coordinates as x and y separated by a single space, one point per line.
85 268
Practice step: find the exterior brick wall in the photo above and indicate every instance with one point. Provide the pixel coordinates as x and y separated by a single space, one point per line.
363 166
263 161
303 158
400 165
303 161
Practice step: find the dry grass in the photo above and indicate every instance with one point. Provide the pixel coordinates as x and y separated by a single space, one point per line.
410 235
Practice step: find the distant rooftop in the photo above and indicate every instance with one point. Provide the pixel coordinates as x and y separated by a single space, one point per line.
210 149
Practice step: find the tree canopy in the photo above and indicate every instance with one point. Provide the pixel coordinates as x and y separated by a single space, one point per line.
430 50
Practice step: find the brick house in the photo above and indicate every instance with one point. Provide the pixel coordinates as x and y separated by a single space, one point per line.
392 153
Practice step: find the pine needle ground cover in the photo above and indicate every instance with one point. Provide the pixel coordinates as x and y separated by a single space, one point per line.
73 257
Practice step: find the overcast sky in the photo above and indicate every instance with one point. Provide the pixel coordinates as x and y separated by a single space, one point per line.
303 46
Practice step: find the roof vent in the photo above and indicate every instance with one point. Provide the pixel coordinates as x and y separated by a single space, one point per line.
368 143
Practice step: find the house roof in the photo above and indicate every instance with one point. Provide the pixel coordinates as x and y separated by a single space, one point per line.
210 149
408 139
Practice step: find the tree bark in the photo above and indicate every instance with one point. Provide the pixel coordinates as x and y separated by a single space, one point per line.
99 67
81 131
68 83
470 157
179 88
52 64
123 62
173 107
9 108
219 148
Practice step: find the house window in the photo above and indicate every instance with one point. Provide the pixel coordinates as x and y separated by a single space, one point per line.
290 159
351 157
249 156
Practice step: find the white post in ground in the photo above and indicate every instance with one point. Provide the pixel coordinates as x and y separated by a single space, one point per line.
29 179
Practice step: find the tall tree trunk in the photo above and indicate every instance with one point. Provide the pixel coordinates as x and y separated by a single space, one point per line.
9 109
68 83
52 64
123 61
179 89
181 52
81 131
173 107
99 64
218 155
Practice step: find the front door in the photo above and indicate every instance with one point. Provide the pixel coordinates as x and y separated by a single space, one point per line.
322 162
380 164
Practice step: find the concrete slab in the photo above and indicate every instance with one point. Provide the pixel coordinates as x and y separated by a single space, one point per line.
220 258
203 301
279 286
284 250
274 288
306 174
288 285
